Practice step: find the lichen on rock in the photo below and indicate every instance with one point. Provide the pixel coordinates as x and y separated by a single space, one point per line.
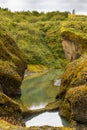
10 110
73 92
12 67
74 45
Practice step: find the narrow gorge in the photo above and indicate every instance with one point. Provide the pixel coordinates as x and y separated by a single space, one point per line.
43 63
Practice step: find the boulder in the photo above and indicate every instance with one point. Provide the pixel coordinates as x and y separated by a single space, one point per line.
10 110
73 44
73 92
12 66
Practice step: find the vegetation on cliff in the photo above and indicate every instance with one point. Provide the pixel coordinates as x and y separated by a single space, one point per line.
73 91
38 35
10 110
12 67
75 30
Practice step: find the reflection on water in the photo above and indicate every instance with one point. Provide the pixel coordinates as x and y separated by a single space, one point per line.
41 88
57 82
46 118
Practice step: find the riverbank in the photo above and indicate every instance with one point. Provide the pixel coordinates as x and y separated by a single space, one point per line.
48 115
48 83
48 108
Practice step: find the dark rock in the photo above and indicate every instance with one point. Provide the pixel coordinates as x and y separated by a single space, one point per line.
12 67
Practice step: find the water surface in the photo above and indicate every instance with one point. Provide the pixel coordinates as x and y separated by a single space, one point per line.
46 118
35 107
42 88
37 92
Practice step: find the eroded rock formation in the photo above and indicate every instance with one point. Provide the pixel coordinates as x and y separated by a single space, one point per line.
73 93
73 45
12 67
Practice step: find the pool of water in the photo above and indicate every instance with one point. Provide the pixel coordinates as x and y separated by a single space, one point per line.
35 107
42 88
39 91
46 118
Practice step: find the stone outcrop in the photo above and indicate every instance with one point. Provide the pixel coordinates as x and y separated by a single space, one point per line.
12 67
10 110
73 93
73 45
49 128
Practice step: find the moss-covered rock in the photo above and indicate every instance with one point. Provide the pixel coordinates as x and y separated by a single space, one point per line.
77 97
74 45
12 66
49 128
75 74
73 92
74 36
10 110
7 126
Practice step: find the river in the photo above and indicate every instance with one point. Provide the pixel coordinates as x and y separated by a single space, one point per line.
46 118
41 88
37 92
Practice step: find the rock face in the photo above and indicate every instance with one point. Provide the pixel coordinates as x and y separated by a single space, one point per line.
12 67
10 110
73 45
73 92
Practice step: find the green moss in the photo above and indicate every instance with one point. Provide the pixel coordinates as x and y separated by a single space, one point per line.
5 99
12 65
65 109
73 95
75 74
10 110
37 34
76 24
75 30
73 91
79 41
8 126
77 93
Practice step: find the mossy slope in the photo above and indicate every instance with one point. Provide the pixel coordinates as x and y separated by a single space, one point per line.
12 67
10 110
73 91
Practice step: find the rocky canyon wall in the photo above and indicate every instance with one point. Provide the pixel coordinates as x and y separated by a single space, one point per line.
12 67
73 45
